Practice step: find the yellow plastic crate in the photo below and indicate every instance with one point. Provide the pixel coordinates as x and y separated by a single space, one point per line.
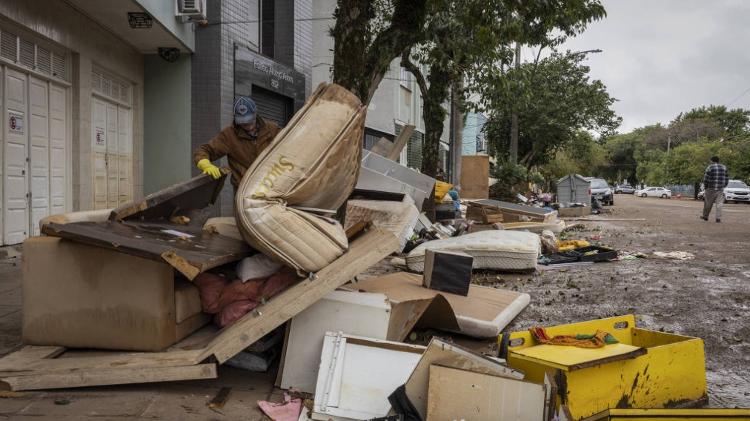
441 189
703 414
647 369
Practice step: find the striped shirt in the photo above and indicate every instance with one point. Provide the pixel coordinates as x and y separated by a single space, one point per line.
716 177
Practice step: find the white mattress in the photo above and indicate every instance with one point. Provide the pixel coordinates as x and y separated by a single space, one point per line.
492 249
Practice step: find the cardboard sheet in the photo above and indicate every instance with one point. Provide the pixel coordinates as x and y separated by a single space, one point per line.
484 312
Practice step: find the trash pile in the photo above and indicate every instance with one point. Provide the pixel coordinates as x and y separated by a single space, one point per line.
164 292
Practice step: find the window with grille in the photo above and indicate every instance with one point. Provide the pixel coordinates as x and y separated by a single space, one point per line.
29 54
110 86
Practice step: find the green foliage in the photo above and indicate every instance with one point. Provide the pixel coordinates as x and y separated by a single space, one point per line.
732 122
555 100
582 156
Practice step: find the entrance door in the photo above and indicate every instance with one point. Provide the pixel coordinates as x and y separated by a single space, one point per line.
39 152
15 162
112 145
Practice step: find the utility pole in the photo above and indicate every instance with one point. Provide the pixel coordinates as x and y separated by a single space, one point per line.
514 115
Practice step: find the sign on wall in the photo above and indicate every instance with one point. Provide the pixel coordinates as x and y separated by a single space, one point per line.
100 140
15 122
251 68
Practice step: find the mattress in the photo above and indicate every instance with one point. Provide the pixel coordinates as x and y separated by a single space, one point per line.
312 163
492 249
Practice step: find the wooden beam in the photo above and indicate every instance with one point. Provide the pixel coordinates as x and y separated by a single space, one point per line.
400 142
79 361
103 377
382 147
363 253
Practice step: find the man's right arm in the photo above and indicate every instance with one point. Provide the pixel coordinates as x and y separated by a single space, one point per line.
213 150
706 176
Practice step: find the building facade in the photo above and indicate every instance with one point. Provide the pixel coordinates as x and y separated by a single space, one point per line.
474 138
397 101
81 81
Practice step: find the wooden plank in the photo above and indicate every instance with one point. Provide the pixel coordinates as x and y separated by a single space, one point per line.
28 354
103 377
196 193
80 361
190 255
363 253
400 142
382 146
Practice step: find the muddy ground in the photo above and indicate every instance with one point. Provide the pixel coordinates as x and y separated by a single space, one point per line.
707 297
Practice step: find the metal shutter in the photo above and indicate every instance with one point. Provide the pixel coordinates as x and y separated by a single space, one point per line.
272 106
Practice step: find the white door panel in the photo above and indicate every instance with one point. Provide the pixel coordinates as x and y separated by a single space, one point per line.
112 154
125 155
99 148
58 143
112 150
15 189
39 158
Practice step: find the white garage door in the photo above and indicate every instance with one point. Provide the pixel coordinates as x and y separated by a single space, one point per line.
33 153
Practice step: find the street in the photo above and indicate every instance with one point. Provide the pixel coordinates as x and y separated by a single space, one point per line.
707 297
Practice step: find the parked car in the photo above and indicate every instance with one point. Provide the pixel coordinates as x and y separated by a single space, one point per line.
662 192
624 189
601 191
737 191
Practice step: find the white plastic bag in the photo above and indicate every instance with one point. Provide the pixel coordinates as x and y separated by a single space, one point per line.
257 266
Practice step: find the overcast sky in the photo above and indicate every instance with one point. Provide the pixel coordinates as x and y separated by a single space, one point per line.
661 57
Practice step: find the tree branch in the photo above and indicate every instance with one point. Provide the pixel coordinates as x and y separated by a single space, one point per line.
407 64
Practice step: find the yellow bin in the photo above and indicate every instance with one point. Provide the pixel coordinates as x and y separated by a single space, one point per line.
441 189
703 414
647 369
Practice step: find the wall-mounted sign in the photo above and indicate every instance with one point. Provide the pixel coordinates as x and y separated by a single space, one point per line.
251 68
99 137
15 122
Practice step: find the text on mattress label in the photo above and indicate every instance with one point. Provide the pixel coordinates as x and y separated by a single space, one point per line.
266 184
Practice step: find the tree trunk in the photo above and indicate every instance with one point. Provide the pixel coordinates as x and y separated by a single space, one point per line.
514 116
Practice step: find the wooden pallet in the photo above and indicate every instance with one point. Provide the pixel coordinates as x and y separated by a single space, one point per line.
51 367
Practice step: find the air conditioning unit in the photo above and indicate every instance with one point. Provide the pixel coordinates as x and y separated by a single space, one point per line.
193 9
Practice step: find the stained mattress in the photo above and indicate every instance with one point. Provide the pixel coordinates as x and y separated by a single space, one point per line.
492 249
312 164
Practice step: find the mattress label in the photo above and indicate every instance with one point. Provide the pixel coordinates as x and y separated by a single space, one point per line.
266 184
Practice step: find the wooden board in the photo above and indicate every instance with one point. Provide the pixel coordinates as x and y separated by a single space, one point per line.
363 253
455 394
475 176
190 256
194 194
47 367
400 142
512 212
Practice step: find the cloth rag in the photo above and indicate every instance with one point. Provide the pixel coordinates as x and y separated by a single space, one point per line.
288 410
597 340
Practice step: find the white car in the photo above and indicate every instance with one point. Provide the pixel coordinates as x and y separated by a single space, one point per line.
654 192
737 191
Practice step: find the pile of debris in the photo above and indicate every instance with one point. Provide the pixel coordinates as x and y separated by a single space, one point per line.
165 293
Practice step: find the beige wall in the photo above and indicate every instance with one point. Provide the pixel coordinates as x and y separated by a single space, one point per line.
90 44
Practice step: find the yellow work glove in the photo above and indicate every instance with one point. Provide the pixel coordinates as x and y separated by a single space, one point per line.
208 168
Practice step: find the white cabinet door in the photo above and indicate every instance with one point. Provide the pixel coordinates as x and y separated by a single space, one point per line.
39 153
15 163
58 135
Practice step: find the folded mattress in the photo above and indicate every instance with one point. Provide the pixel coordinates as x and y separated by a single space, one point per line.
492 249
312 164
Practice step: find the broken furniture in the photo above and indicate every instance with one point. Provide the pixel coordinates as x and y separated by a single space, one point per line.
443 354
399 217
483 214
371 315
312 164
646 369
516 213
196 356
357 375
475 176
448 271
492 249
122 282
379 173
483 313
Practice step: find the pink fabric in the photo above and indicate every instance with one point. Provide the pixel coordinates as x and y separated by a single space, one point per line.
288 410
229 301
210 287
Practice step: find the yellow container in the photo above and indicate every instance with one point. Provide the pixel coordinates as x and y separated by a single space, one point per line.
647 369
703 414
441 189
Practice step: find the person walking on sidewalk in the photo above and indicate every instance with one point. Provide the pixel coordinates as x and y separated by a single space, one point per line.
241 142
714 181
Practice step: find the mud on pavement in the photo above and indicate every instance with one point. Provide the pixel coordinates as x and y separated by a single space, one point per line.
706 297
